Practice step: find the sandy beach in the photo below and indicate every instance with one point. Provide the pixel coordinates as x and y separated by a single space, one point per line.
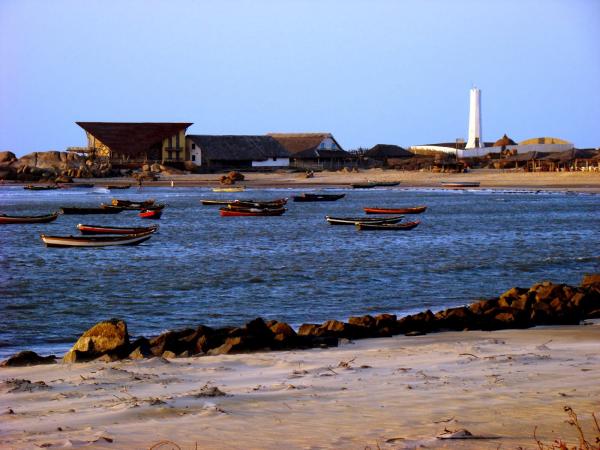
489 179
397 392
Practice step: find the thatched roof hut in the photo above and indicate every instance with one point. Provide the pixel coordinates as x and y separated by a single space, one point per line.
504 141
385 151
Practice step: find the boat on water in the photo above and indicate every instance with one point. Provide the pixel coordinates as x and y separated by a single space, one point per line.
384 183
81 185
103 229
249 212
387 226
317 197
104 209
353 220
229 189
95 241
118 186
460 184
248 203
150 213
128 204
413 210
367 185
34 187
6 219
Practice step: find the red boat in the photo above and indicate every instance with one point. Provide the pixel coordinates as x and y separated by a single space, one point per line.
100 229
247 212
415 210
150 213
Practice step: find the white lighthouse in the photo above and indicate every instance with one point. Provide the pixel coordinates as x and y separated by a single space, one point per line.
475 140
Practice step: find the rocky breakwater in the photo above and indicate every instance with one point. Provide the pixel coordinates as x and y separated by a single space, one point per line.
51 166
543 303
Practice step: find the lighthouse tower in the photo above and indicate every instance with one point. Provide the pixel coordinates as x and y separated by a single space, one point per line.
475 140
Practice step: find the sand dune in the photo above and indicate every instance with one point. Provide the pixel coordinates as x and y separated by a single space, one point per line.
395 392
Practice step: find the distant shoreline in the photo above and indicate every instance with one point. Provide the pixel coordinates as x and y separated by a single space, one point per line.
488 179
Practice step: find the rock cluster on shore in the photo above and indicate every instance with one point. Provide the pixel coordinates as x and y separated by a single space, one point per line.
52 166
544 303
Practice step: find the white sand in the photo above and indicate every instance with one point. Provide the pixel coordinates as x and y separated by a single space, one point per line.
409 388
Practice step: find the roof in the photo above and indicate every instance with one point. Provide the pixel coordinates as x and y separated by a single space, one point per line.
504 140
305 145
571 155
132 137
238 148
529 156
388 151
543 140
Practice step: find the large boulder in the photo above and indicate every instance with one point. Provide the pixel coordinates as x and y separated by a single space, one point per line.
109 337
591 280
27 358
7 156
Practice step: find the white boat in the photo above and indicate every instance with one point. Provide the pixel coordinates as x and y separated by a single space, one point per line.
460 184
95 241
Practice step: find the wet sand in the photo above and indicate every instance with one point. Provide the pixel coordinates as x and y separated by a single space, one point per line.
398 392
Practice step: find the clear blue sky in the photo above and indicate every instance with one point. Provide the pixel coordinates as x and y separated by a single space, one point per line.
368 71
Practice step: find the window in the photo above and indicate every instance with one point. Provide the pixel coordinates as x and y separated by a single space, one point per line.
322 146
177 140
193 146
274 158
193 156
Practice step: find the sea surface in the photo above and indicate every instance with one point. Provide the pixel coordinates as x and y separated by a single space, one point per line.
205 269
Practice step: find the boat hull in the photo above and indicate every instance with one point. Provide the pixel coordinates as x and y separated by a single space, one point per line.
94 241
250 212
99 229
354 220
5 220
415 210
150 213
387 227
317 197
68 210
229 189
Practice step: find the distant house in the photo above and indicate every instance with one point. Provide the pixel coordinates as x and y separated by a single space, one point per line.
312 149
231 151
389 155
135 141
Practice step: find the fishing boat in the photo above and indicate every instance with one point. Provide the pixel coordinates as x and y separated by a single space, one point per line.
317 197
150 213
387 226
32 187
460 184
384 183
81 185
131 204
229 189
353 220
249 203
103 209
111 187
363 185
102 229
248 212
413 210
95 241
6 219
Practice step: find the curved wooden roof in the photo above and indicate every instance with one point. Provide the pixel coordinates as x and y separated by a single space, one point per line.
543 140
306 145
132 137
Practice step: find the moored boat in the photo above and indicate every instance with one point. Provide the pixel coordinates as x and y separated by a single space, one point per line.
248 212
118 186
384 183
150 213
6 219
387 226
460 184
81 185
229 189
104 209
248 203
367 185
103 229
317 197
95 241
353 220
131 204
413 210
34 187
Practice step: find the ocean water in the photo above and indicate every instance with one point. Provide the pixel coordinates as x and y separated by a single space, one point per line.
205 269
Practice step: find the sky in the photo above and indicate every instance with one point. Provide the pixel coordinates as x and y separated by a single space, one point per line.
368 71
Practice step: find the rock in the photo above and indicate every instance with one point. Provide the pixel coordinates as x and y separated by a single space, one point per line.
156 168
282 328
7 156
63 179
235 176
140 349
109 336
169 354
308 329
239 344
145 167
173 341
363 321
27 358
483 305
590 280
511 295
423 322
454 318
209 338
259 329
